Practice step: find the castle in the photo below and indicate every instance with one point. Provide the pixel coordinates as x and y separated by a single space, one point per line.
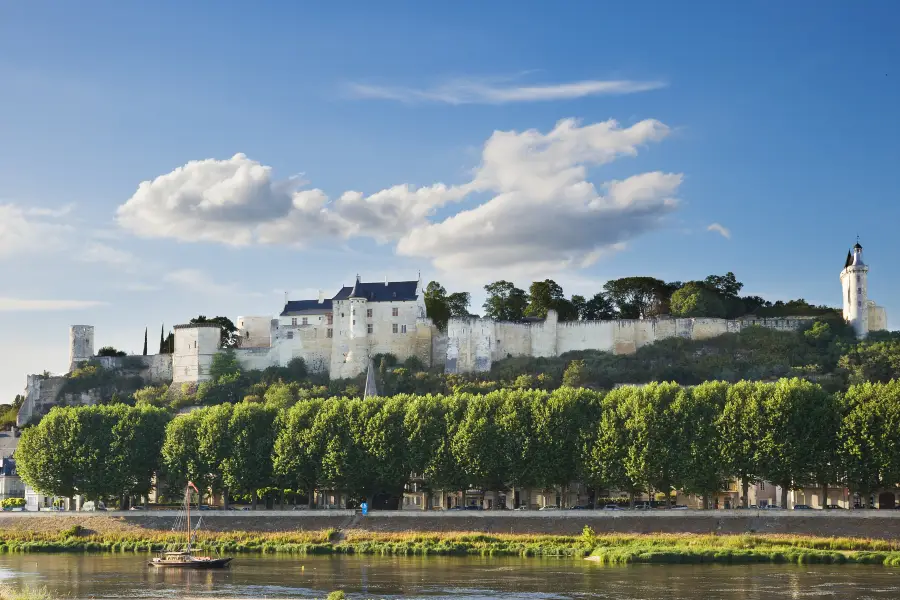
340 334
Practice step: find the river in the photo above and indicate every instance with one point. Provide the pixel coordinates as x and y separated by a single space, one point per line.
83 577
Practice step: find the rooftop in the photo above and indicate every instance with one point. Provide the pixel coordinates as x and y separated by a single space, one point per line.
305 307
381 291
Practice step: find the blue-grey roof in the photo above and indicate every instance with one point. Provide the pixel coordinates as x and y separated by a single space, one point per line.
394 291
307 307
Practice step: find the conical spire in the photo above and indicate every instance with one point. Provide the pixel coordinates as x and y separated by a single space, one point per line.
354 293
371 390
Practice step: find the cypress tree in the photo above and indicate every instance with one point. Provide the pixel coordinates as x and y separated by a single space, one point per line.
162 339
145 341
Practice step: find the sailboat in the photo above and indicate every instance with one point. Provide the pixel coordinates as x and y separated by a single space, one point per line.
185 559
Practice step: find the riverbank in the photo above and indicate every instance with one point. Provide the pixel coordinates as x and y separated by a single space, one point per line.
599 547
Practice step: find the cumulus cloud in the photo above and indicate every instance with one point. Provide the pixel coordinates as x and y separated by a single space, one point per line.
23 305
720 229
238 202
541 210
472 91
545 215
31 230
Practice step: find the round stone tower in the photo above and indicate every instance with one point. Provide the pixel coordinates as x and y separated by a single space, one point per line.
854 284
81 345
357 334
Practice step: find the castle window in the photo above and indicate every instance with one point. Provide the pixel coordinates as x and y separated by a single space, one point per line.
294 321
290 335
403 329
330 319
859 290
369 313
330 333
395 328
369 328
395 312
305 321
859 303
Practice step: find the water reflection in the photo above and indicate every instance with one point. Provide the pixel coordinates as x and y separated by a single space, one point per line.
127 576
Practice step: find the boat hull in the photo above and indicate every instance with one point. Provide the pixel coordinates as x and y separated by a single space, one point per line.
213 563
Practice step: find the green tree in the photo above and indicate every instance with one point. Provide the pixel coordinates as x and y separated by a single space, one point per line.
151 396
727 285
556 421
436 305
138 435
638 297
658 449
599 307
696 300
282 396
741 424
459 302
110 351
223 364
478 443
248 467
870 456
705 472
575 374
505 302
543 296
45 451
297 453
792 434
216 445
872 361
605 452
182 458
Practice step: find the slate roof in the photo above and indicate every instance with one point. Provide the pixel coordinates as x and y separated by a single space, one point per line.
394 291
306 307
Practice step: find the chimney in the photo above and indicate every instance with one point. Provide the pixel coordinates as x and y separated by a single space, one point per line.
385 280
321 297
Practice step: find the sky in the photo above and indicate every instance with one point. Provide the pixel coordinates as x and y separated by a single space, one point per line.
168 159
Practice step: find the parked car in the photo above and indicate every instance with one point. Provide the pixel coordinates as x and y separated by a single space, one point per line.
679 507
834 507
771 507
549 508
613 507
581 507
802 507
523 507
91 506
136 508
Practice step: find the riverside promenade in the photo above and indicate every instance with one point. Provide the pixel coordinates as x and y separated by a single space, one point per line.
876 524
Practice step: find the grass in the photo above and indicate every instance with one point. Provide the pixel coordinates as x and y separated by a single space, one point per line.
8 593
603 548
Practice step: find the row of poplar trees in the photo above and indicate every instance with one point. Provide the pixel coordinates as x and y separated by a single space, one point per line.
656 438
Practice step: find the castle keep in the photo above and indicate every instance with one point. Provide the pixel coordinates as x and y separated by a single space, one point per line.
338 335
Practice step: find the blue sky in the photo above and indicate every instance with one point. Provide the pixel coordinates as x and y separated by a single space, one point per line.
778 122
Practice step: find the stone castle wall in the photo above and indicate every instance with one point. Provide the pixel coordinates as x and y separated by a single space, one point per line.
474 344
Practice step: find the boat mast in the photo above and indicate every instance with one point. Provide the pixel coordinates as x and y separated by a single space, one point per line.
187 502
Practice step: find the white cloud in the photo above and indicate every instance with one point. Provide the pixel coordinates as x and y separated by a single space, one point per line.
96 252
29 231
471 91
542 213
545 215
720 229
22 305
238 202
195 280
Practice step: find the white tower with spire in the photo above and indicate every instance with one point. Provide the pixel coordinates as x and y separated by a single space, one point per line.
854 284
